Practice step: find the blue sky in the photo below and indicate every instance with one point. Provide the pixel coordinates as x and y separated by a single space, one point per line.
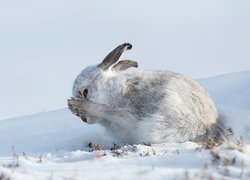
45 44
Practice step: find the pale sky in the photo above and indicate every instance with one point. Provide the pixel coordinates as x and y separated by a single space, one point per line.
45 44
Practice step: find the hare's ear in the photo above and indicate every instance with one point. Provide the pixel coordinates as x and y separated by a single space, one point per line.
123 65
114 56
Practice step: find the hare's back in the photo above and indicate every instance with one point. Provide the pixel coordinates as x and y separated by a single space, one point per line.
167 93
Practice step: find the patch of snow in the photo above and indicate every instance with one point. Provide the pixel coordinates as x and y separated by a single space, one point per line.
230 89
53 131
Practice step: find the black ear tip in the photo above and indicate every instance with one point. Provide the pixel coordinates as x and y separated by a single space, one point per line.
128 45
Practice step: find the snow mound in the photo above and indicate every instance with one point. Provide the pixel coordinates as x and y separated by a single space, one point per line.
229 89
53 131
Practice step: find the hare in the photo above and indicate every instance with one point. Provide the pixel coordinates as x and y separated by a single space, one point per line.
143 106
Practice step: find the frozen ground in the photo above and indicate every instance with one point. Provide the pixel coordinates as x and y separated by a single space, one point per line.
55 145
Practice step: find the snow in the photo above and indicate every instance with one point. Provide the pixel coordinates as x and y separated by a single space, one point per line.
55 145
230 89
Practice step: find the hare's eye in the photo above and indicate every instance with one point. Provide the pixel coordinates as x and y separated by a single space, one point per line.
85 92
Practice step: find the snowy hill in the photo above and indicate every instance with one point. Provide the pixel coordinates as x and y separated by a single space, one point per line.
230 89
55 145
48 132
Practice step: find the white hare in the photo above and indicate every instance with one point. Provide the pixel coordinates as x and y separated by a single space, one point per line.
143 106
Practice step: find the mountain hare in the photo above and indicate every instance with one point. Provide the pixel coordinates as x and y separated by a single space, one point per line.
143 106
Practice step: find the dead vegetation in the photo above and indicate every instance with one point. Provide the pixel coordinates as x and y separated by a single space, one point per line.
40 159
228 141
123 151
223 158
218 139
223 163
220 158
205 174
95 147
120 151
149 152
4 177
15 161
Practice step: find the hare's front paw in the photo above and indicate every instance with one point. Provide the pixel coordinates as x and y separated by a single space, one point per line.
76 105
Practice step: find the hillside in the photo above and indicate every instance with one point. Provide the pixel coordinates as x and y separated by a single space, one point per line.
229 89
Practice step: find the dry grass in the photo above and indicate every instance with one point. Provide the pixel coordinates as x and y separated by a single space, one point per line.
4 177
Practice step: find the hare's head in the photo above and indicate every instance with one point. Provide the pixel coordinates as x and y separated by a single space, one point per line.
88 78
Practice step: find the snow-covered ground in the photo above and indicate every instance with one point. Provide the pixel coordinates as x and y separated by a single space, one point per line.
56 145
